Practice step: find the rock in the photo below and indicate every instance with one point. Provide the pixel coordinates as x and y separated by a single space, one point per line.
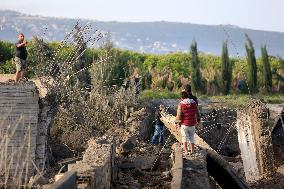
166 174
133 126
130 119
127 146
58 176
51 180
142 149
38 180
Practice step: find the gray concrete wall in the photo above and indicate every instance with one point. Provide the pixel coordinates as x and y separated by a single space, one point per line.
19 117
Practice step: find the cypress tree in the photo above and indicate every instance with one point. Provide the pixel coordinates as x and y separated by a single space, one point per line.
196 78
266 69
252 68
226 70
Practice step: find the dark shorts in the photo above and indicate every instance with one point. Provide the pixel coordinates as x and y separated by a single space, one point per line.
21 65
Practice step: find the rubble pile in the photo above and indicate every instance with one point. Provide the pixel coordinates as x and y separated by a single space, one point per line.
97 152
144 166
131 127
139 164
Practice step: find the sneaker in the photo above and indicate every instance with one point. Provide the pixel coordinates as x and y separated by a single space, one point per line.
185 155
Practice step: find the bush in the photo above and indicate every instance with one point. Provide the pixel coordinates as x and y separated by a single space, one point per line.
84 113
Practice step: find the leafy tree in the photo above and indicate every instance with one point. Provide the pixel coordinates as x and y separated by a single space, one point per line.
252 68
226 70
40 56
266 69
6 55
6 51
196 79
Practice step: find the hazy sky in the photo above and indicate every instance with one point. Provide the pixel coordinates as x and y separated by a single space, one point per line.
255 14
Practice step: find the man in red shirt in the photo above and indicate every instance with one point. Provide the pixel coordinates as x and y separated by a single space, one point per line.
188 117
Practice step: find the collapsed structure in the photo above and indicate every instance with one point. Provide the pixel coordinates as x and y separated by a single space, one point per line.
259 129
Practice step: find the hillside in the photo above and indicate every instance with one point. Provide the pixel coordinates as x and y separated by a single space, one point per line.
149 37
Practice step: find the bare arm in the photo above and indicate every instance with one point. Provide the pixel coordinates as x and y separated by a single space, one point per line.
24 43
178 116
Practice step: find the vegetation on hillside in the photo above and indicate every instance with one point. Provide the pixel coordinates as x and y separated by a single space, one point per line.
209 74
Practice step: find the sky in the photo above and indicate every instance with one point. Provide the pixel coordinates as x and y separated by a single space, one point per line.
254 14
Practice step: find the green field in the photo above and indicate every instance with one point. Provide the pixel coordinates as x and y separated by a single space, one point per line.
234 100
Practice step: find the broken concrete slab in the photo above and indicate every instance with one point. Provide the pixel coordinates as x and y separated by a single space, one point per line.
68 181
254 136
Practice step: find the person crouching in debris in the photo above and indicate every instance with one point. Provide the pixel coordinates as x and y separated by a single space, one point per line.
158 136
187 119
20 57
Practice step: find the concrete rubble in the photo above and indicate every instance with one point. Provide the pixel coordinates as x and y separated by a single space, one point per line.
137 160
95 169
255 141
124 157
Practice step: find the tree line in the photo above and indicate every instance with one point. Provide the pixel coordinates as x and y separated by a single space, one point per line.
257 77
208 74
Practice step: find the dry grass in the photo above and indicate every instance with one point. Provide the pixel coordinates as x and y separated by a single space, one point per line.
15 160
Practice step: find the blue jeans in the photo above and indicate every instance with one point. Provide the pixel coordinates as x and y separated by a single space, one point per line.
158 136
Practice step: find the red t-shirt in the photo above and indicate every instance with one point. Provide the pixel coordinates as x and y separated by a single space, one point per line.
188 109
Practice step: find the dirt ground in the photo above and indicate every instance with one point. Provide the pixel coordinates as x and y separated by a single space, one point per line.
275 182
